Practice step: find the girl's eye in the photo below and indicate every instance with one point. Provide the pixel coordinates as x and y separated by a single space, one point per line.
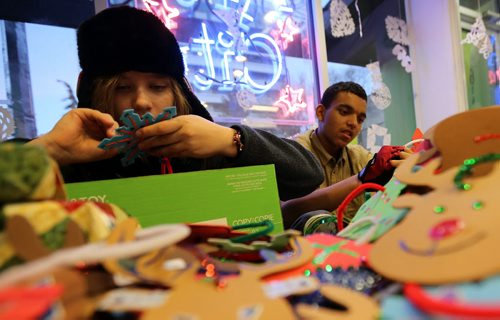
159 87
122 87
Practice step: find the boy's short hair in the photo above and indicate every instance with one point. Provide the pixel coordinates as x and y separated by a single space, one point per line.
332 91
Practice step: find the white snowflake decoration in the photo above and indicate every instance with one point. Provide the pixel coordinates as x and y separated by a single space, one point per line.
381 95
375 131
400 52
340 19
479 38
7 126
397 30
246 99
374 69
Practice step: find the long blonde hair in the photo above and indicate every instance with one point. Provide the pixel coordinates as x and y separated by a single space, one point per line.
103 95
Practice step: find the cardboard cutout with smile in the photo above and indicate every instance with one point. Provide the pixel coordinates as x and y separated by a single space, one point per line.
450 234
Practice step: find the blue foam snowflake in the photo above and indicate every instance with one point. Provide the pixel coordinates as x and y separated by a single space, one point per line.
125 140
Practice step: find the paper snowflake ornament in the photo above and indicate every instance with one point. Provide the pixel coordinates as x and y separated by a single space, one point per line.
375 72
246 99
340 19
478 37
380 95
400 52
126 141
375 131
397 30
7 125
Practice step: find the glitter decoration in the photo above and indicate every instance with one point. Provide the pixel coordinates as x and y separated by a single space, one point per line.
360 279
125 140
466 169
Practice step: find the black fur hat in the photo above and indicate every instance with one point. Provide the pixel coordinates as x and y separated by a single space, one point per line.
122 39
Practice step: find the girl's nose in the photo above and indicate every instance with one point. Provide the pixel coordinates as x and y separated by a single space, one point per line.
143 102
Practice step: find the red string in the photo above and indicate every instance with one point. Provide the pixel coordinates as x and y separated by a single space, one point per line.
166 166
433 305
484 137
353 194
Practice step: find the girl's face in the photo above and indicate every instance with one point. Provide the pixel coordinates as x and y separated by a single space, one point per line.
143 92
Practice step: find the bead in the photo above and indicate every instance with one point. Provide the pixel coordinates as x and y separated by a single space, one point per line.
477 205
439 209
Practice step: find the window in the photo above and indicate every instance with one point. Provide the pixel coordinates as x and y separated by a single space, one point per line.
364 53
481 61
249 62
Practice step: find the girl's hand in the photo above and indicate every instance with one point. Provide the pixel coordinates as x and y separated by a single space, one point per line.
187 136
77 134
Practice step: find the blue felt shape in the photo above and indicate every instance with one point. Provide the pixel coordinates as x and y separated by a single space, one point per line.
125 140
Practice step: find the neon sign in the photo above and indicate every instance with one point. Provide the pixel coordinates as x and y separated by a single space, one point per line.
259 41
235 58
290 100
286 31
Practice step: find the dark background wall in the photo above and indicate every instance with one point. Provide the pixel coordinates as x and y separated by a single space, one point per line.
65 13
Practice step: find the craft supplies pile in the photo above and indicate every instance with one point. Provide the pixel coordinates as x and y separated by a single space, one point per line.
423 246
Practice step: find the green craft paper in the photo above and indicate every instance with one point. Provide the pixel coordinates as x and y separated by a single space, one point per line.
232 196
379 206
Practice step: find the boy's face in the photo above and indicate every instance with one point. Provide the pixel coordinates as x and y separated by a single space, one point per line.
341 121
143 92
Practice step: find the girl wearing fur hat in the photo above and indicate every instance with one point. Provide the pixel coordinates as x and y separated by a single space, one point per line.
129 59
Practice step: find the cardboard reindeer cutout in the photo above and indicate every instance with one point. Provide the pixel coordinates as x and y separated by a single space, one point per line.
451 232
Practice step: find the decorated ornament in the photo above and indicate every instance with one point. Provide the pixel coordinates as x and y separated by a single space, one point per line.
380 95
379 206
397 30
478 37
449 234
7 126
340 19
375 131
400 52
125 140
